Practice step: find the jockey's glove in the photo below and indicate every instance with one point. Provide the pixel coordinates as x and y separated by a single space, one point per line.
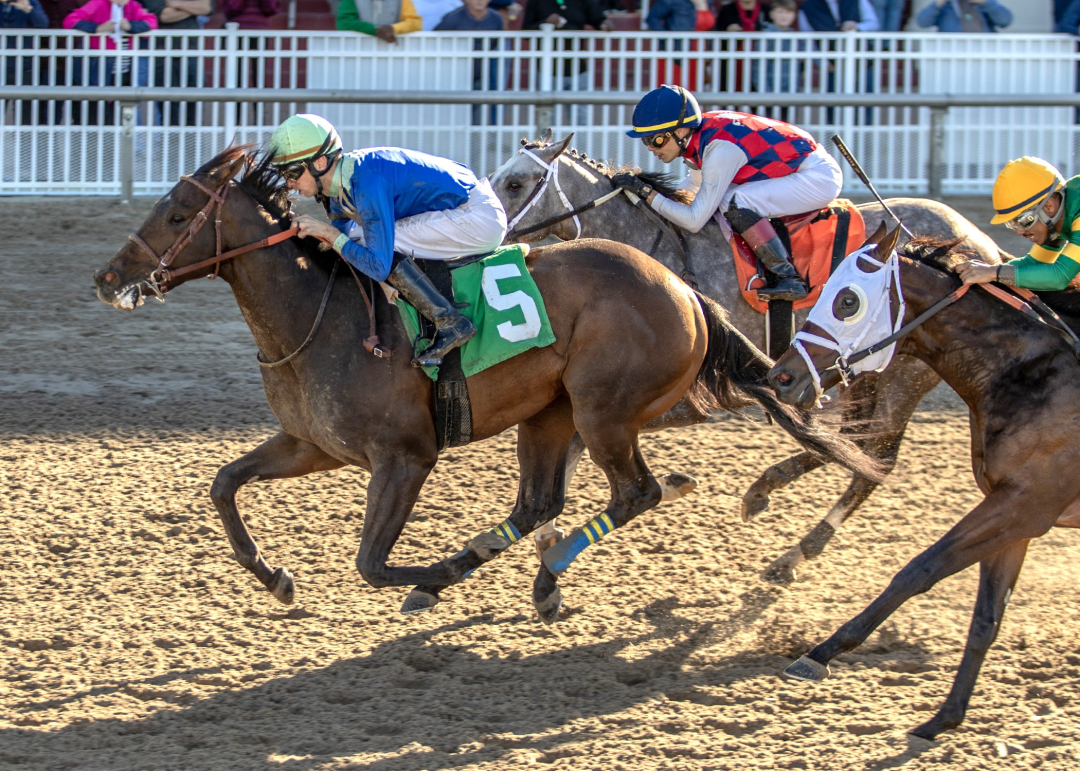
631 182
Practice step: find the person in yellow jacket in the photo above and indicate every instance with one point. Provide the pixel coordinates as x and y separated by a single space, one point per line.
385 19
1032 198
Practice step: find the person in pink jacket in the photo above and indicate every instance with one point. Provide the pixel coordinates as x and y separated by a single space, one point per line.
118 21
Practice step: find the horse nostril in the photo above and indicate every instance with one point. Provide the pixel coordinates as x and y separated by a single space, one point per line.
108 277
784 379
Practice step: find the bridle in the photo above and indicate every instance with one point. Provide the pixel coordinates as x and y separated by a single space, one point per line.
1027 303
551 175
161 275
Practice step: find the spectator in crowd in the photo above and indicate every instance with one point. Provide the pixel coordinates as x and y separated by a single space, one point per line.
965 16
781 74
1060 7
889 14
20 14
251 14
1069 21
119 21
742 16
177 15
837 16
385 20
672 16
704 19
568 15
476 16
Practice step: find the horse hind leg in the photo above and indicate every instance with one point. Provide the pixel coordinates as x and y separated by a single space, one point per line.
545 444
549 533
280 457
997 577
634 490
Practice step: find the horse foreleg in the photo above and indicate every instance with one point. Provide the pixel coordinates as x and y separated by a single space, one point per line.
545 443
280 457
549 533
997 577
775 477
1001 520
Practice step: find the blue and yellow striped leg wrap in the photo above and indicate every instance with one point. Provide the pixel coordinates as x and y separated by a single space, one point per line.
507 531
488 544
558 557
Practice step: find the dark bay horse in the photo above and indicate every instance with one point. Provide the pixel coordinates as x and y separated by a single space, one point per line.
1020 380
876 408
631 341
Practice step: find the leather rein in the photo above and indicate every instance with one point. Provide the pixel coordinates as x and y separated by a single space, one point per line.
160 277
551 176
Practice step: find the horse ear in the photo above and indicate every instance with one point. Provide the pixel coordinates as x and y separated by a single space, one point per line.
559 147
225 172
884 250
876 238
546 138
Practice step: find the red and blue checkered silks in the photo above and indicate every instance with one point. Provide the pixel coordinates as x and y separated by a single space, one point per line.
773 148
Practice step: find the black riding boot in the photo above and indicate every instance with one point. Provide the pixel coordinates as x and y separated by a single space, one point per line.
761 236
451 328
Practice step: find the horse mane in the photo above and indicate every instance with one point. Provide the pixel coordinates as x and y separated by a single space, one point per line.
943 255
664 183
260 180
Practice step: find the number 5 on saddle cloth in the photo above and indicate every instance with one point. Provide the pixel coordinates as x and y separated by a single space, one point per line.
498 295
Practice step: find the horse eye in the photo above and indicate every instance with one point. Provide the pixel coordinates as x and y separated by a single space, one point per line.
846 304
514 185
176 219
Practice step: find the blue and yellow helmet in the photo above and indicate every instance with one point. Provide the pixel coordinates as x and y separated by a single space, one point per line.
665 109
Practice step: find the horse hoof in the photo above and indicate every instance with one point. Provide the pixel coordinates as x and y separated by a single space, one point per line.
675 485
548 608
282 587
418 601
547 540
779 573
753 505
807 669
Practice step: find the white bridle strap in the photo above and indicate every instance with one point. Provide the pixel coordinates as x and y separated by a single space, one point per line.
552 175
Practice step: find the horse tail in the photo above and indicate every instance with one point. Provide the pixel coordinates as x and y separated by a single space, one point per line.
735 369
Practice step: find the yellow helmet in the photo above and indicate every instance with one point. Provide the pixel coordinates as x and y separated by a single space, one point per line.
1023 185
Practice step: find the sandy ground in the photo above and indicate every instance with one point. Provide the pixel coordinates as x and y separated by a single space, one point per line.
131 640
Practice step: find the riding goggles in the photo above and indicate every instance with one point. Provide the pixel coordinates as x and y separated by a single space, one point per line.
293 171
1024 220
656 141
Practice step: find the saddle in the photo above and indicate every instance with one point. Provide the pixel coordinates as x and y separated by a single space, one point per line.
820 240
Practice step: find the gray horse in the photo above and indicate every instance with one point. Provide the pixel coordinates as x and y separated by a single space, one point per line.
544 181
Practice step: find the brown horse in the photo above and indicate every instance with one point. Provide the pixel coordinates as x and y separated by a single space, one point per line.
631 341
1018 376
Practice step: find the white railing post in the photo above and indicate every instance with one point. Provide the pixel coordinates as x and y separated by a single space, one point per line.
127 151
545 112
232 79
846 80
936 156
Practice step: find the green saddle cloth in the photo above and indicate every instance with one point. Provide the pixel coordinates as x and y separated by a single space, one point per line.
503 302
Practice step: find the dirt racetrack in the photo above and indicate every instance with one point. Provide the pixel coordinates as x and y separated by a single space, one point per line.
130 639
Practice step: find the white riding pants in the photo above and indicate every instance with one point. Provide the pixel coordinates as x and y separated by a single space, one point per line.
814 185
478 226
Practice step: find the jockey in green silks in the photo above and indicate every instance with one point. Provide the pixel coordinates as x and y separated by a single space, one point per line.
1032 198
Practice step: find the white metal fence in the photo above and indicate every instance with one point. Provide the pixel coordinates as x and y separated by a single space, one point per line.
71 147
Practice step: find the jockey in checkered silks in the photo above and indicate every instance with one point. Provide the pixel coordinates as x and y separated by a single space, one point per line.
752 169
397 205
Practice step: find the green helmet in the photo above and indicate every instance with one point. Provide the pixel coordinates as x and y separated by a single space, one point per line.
303 137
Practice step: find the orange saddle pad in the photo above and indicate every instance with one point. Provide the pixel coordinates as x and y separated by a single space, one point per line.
815 246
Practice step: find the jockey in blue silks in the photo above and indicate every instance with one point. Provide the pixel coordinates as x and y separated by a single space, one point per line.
400 204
